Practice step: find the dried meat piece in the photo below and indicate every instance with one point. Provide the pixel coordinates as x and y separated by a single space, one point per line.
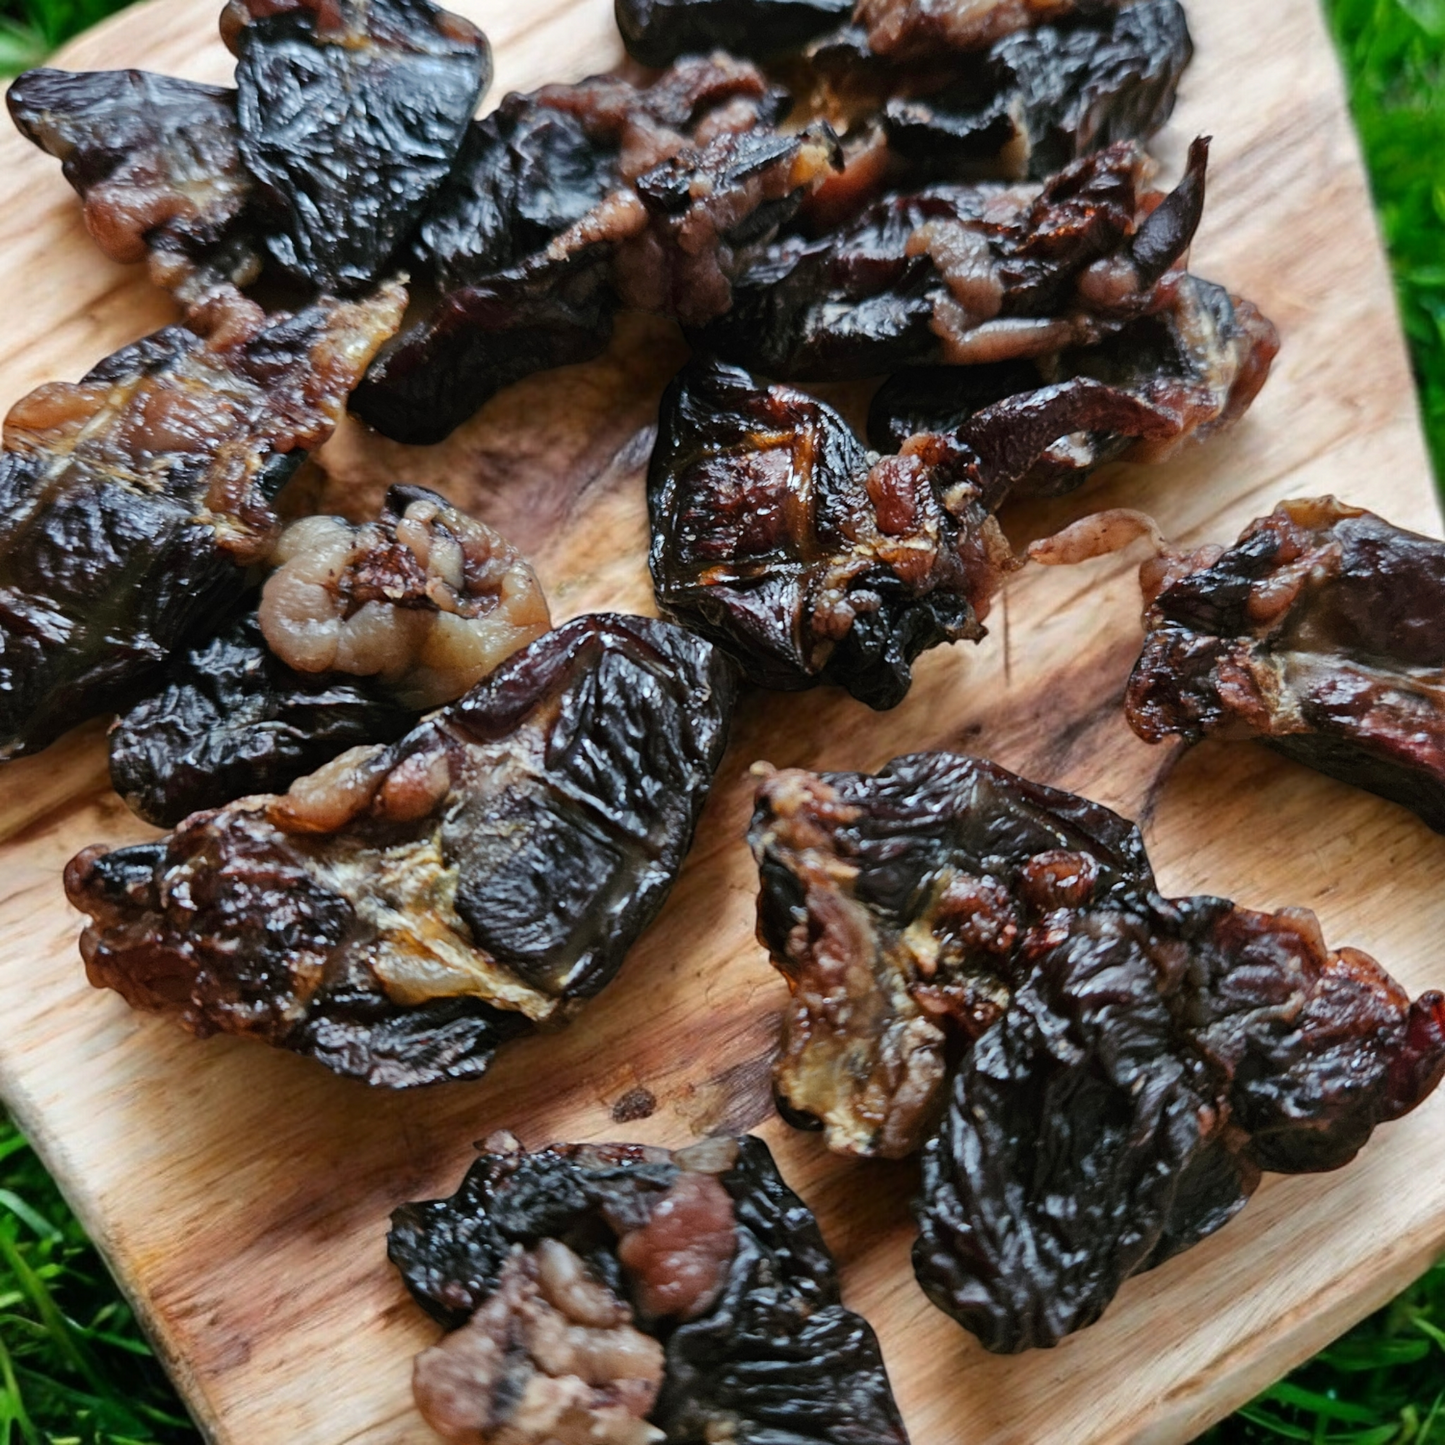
1027 107
579 199
811 560
623 1293
916 29
425 598
778 536
360 630
541 163
156 163
407 909
1049 95
965 275
1193 369
1128 1065
479 339
229 719
132 502
657 32
1318 632
351 114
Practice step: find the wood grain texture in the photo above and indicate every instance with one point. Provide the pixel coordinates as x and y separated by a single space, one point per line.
241 1195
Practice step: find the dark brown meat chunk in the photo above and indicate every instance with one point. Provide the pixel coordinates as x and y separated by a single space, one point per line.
1127 1065
705 1256
400 913
814 561
579 199
1028 106
1046 96
351 113
229 719
132 502
1192 370
964 275
656 32
776 534
157 165
1320 632
360 630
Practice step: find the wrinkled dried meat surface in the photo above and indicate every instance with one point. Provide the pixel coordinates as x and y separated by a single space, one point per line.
579 199
777 535
628 1295
1192 370
1321 632
1108 1072
1050 95
407 909
229 719
157 166
360 630
656 32
964 275
131 501
351 113
1030 105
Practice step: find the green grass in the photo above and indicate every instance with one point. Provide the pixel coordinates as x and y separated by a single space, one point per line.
1394 54
74 1369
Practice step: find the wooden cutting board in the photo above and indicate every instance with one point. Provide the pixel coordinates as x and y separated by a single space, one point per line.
241 1195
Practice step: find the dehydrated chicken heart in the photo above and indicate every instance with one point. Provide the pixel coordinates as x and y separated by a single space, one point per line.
360 630
351 113
407 909
1193 370
1052 94
621 1293
157 164
132 502
962 275
1128 1065
229 719
811 560
1320 632
575 201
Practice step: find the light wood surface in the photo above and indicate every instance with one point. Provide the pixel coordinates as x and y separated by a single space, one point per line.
241 1194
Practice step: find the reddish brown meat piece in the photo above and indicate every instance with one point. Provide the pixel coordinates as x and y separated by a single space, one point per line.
1321 632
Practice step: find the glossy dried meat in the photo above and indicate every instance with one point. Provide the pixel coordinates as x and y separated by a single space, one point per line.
576 200
965 275
718 1299
778 536
1320 632
228 719
351 114
1048 95
1192 370
1127 1065
812 560
917 29
131 502
360 630
157 165
656 32
403 911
